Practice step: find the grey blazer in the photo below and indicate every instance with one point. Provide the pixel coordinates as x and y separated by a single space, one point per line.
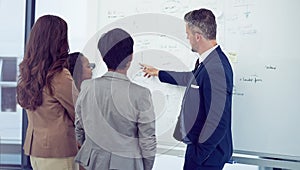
115 122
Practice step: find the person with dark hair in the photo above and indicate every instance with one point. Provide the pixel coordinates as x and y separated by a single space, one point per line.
43 90
204 123
119 130
79 67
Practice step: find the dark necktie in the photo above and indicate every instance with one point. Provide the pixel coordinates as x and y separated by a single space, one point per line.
197 64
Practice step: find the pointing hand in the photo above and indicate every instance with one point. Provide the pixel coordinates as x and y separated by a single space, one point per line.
149 70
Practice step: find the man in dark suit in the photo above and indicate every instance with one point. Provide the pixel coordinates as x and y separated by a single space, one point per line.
204 123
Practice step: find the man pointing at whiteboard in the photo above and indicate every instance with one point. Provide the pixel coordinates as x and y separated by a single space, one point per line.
204 123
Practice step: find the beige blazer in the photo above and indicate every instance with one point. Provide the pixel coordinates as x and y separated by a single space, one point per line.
50 132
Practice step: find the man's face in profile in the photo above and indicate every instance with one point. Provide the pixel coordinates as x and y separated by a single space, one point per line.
191 36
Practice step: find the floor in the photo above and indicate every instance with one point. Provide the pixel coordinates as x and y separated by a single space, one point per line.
163 162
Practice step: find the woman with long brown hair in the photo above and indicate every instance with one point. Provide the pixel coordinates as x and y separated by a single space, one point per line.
44 91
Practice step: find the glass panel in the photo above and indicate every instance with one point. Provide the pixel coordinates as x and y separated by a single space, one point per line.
12 21
9 69
8 99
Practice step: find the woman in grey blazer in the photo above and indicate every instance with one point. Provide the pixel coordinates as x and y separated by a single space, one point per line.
115 121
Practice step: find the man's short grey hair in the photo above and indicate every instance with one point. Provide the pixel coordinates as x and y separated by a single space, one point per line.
202 21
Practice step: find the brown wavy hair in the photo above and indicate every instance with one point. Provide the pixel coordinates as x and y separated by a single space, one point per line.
46 53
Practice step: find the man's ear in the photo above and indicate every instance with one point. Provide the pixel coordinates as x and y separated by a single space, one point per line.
198 36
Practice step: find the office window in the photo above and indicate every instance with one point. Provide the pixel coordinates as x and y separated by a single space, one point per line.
12 21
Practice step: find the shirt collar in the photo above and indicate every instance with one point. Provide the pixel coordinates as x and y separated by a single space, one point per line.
116 75
206 53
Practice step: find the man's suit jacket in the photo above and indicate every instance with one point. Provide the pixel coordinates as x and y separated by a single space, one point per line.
115 121
205 119
51 131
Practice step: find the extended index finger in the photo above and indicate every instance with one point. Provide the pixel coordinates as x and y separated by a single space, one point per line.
145 65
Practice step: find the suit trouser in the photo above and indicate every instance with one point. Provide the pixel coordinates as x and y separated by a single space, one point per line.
189 164
68 163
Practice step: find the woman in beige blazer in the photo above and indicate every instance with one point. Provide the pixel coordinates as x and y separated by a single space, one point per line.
44 91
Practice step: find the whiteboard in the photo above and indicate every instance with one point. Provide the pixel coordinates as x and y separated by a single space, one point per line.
261 40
